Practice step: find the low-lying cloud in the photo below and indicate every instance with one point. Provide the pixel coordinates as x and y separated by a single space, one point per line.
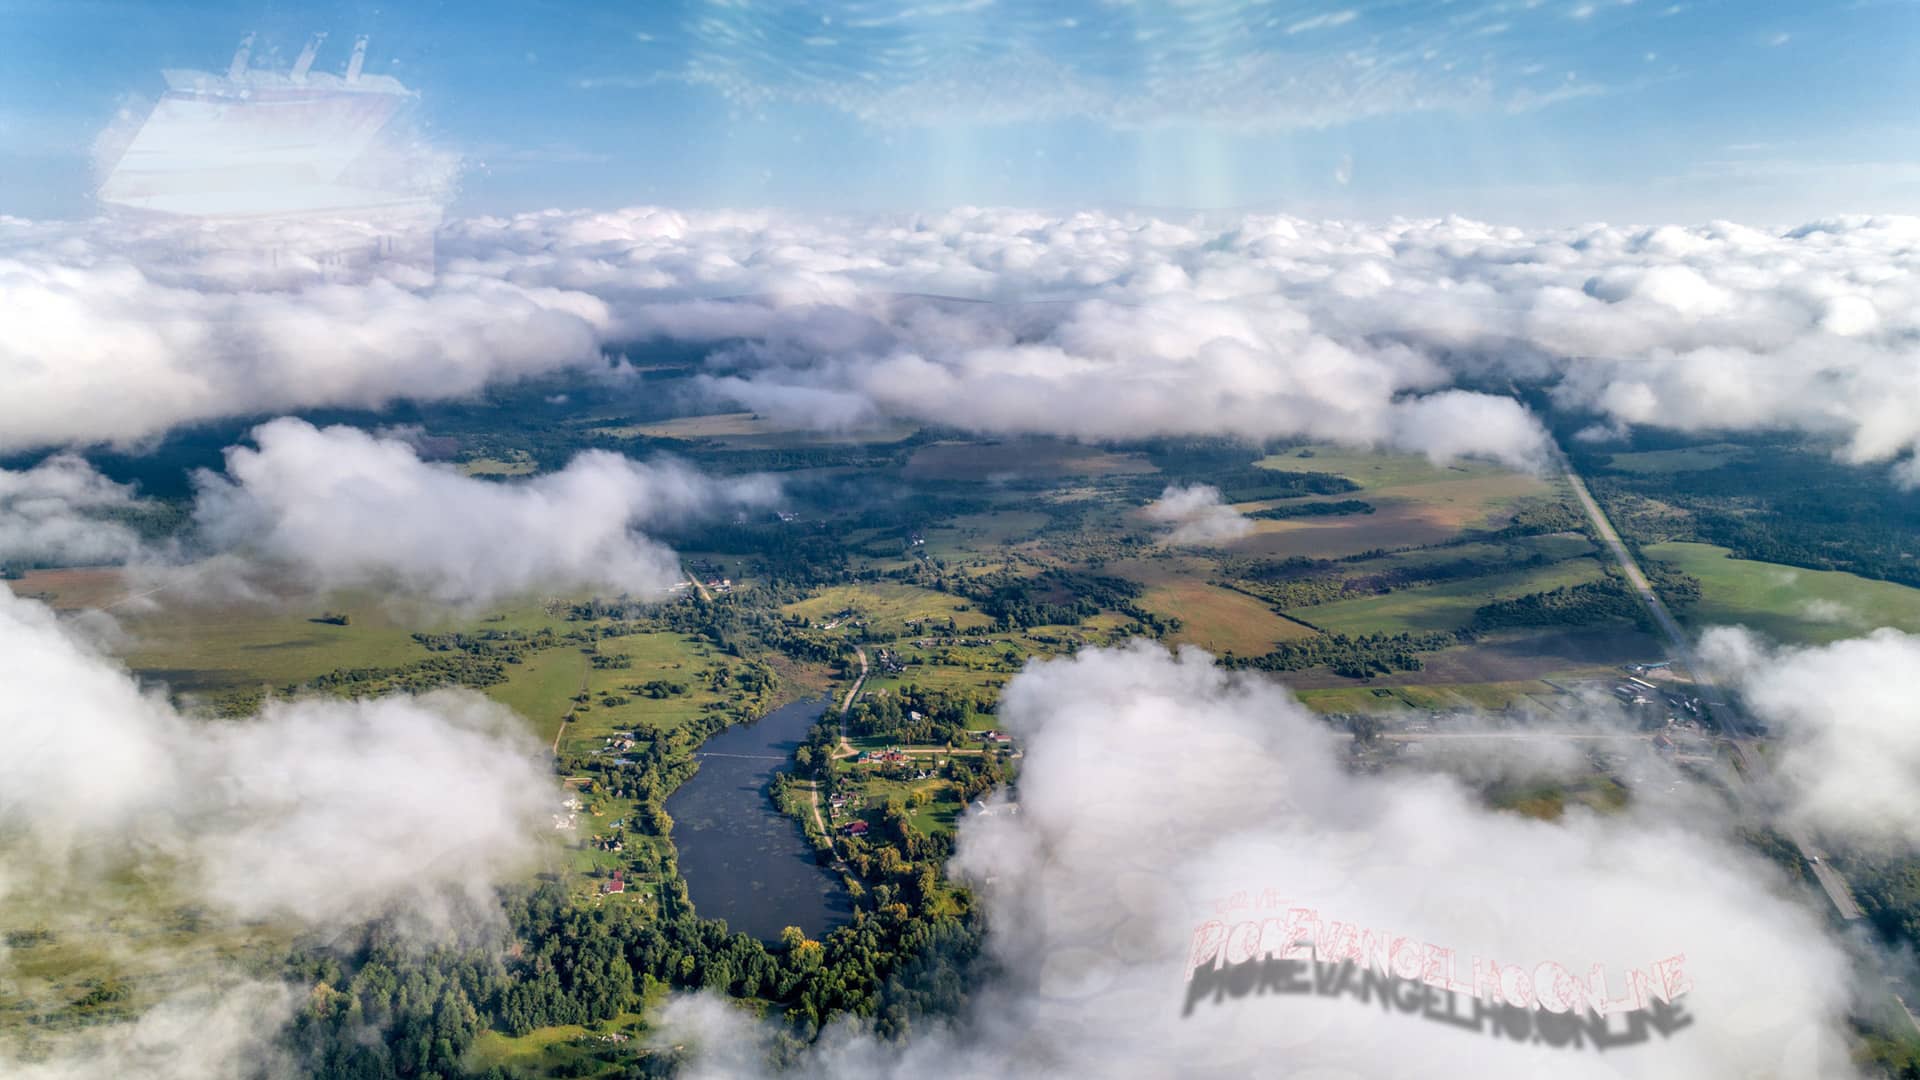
58 513
1197 515
341 507
1848 753
324 811
1154 784
206 1033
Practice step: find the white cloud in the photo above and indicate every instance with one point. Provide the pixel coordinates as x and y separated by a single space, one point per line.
1848 751
205 1033
1323 22
1153 785
57 513
330 812
1830 611
342 507
112 337
1197 515
1098 326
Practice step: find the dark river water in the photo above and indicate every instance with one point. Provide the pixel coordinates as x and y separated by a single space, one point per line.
744 860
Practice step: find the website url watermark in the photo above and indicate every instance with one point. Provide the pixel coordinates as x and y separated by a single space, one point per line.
1301 934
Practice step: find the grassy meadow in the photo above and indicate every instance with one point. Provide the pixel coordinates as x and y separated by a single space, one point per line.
1788 603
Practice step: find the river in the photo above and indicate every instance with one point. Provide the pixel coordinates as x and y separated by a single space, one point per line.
743 860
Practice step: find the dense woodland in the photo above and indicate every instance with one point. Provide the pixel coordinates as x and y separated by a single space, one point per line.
1769 500
390 1008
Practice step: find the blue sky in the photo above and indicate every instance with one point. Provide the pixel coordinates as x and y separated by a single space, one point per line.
1551 111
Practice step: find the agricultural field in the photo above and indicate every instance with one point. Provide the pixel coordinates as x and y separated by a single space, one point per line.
1019 458
516 464
1687 459
1415 502
205 646
1445 606
753 430
1376 470
1215 618
1788 603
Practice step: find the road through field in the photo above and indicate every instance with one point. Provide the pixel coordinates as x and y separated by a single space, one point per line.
1740 731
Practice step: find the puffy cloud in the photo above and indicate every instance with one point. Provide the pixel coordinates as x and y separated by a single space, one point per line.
1848 753
1094 889
1197 515
54 513
342 507
1096 326
1263 326
112 337
330 812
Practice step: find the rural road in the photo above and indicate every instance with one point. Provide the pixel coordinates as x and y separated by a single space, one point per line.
698 585
846 748
586 669
1740 732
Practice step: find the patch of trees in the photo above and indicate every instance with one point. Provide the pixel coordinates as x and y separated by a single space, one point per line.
389 1008
1313 509
1796 505
657 689
1887 887
1300 582
1606 600
507 645
432 673
1609 599
1053 598
942 715
1353 657
1536 516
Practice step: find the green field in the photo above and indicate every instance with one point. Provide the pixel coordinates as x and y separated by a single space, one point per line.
1446 606
1786 602
1689 459
1213 617
752 429
1378 469
1416 502
518 463
938 817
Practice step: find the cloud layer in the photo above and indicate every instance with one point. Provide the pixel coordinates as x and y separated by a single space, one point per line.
114 334
1154 784
1849 752
1262 326
1100 326
342 507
